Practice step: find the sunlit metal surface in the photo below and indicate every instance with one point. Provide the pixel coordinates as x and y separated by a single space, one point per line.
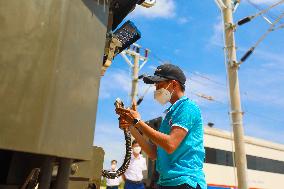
148 3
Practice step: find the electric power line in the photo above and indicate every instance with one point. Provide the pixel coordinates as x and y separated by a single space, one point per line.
270 29
160 60
265 11
203 96
207 78
265 117
210 98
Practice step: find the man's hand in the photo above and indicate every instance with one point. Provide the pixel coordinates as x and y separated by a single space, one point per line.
123 124
127 116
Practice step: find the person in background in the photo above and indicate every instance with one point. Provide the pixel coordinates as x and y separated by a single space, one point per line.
133 175
113 183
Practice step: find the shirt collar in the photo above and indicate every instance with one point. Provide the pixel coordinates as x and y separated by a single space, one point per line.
133 157
176 104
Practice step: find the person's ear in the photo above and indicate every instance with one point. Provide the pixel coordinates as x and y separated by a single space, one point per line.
175 84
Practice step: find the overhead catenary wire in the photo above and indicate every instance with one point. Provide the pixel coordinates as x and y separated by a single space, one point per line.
270 29
141 98
161 61
200 75
261 13
279 27
197 81
204 96
207 78
268 14
210 98
200 95
265 117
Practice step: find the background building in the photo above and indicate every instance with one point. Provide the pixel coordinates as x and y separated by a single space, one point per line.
265 161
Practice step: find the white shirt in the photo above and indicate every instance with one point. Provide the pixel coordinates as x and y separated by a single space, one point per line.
136 166
113 182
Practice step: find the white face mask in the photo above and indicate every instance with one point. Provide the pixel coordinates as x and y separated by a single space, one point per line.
163 95
137 150
113 166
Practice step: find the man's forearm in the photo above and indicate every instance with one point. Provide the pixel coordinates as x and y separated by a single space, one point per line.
157 137
148 148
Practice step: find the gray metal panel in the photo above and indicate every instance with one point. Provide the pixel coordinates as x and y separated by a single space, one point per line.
91 170
50 63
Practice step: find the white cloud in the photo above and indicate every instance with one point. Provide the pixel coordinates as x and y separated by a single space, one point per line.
182 20
177 51
217 37
162 9
111 139
113 81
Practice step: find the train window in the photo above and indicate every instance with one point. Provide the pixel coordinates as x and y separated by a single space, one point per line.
222 157
264 164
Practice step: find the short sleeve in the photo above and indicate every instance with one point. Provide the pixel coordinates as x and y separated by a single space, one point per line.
185 116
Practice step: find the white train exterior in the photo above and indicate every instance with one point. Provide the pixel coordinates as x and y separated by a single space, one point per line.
265 161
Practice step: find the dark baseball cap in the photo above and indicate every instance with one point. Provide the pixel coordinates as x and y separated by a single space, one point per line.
166 72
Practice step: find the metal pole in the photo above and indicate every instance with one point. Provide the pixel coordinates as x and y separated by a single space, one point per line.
134 90
62 178
235 101
135 54
46 173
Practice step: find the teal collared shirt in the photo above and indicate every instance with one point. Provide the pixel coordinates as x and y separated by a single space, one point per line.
185 164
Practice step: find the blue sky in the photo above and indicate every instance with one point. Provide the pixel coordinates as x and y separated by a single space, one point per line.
189 33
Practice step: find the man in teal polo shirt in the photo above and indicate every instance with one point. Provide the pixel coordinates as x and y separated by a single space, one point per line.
178 145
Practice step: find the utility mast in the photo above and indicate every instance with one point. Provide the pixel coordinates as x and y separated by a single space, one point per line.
134 52
236 114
